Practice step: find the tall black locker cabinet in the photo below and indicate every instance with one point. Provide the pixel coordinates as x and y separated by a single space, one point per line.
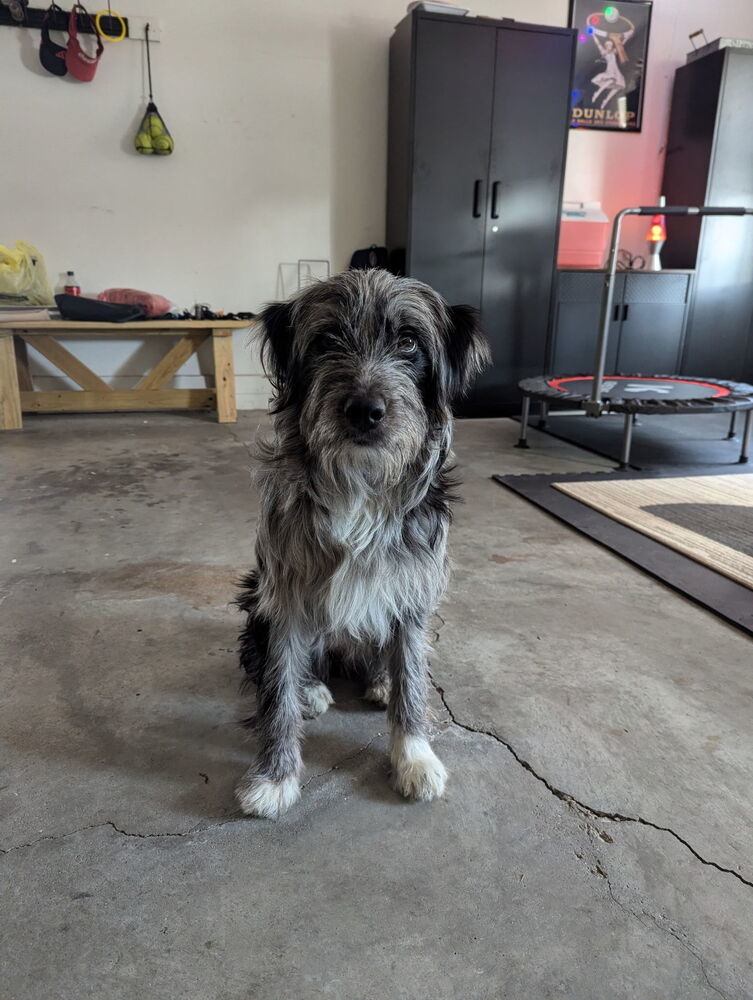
710 161
479 113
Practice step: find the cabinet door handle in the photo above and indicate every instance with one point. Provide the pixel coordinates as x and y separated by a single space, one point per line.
616 312
625 312
495 196
477 199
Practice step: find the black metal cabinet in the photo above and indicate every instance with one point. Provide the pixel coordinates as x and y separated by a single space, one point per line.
652 322
710 161
576 322
451 156
522 221
479 113
647 323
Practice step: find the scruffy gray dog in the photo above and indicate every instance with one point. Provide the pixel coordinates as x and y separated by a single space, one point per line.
355 508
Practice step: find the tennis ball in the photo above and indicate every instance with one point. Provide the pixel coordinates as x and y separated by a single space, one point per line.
155 126
163 144
143 143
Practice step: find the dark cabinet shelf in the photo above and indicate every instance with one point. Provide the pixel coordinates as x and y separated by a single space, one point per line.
647 323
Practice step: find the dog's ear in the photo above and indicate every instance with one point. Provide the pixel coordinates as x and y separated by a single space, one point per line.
468 352
276 333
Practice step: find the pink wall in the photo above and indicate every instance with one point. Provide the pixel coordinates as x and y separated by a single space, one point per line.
622 170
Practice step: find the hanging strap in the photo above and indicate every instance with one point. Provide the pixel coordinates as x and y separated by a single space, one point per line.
148 60
49 18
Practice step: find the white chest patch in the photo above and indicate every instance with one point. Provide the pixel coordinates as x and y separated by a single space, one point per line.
358 526
385 571
372 584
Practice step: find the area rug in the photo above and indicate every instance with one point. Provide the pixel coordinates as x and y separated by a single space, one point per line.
695 580
708 518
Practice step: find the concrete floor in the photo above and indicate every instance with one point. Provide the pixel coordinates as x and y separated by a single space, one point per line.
596 840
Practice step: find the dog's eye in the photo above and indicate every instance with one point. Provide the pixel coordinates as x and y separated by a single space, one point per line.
407 344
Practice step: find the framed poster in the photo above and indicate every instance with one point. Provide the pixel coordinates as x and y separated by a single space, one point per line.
610 63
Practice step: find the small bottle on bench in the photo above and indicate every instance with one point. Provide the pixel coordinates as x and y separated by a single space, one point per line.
72 287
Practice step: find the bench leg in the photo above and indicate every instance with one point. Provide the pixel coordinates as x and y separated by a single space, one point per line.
224 375
22 365
10 397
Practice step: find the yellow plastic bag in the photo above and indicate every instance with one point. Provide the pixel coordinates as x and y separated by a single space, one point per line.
23 277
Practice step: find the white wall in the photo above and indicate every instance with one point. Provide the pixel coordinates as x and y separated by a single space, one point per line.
278 111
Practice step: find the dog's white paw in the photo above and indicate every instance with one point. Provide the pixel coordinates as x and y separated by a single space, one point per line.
315 700
417 771
258 796
379 692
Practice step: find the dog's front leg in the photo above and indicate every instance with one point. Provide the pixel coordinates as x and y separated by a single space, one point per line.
271 784
417 771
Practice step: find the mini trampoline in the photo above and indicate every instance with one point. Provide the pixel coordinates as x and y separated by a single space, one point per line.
631 395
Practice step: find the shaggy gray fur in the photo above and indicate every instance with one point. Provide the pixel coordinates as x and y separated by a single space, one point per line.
356 496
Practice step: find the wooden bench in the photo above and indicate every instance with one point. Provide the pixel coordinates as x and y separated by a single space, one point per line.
17 394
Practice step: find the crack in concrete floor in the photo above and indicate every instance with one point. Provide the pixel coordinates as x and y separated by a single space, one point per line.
666 930
568 799
198 828
583 807
338 764
201 827
587 811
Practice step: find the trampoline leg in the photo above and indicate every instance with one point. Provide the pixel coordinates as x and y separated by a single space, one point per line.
525 413
543 414
746 437
627 440
732 424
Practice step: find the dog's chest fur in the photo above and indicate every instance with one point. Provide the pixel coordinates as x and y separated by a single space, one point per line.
379 577
353 565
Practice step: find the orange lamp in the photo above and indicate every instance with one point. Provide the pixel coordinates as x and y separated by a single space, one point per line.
656 237
657 230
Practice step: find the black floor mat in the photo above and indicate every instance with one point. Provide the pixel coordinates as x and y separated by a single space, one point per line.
712 590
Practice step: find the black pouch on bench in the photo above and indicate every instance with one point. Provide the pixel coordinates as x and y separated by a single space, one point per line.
83 310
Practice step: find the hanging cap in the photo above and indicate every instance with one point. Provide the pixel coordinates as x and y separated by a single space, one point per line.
80 64
51 55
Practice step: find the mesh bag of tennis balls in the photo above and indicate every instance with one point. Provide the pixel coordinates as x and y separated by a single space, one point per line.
153 137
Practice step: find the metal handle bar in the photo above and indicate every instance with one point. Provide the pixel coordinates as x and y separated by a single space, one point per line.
594 405
687 210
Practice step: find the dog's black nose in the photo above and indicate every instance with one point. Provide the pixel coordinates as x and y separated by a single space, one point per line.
365 412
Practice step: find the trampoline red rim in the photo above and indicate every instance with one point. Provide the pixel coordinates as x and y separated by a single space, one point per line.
718 391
